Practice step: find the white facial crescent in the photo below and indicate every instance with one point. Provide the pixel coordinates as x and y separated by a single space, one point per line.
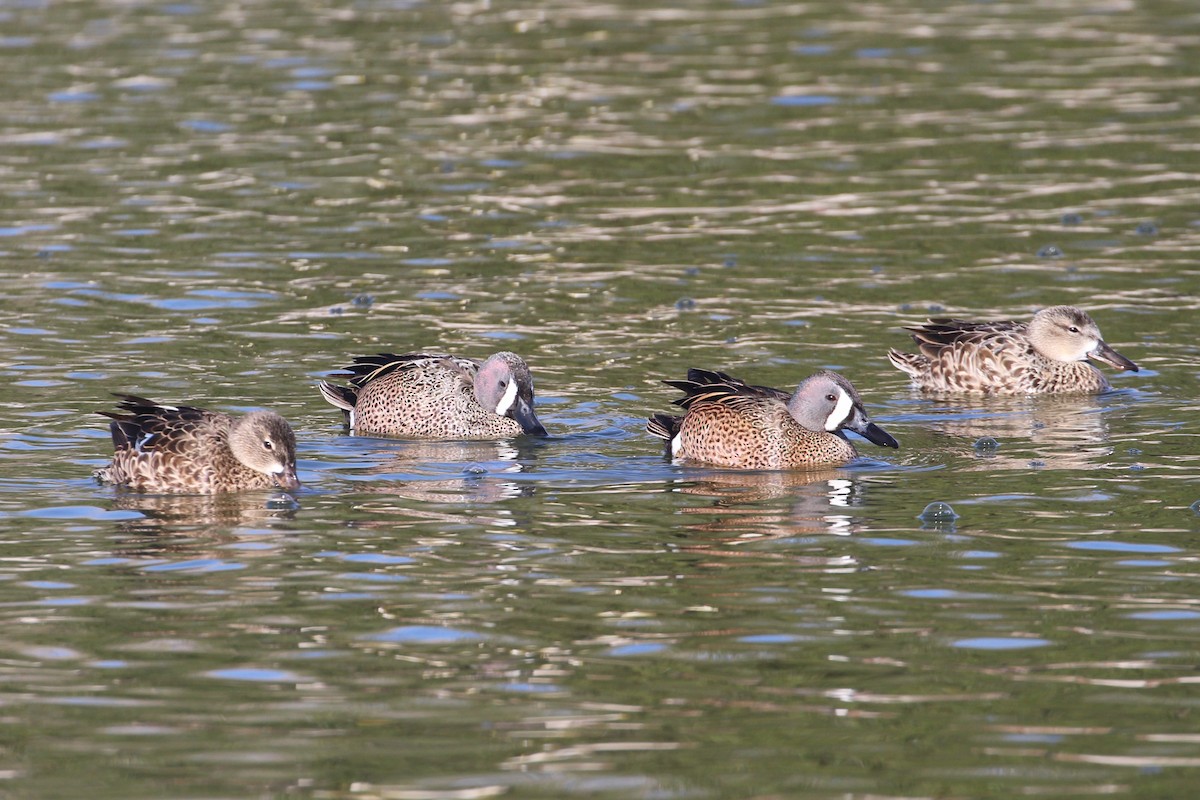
510 394
841 412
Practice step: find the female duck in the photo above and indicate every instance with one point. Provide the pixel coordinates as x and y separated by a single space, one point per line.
185 450
1047 355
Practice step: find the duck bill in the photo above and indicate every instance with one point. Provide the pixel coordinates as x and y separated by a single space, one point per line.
877 435
287 480
522 412
871 432
1102 352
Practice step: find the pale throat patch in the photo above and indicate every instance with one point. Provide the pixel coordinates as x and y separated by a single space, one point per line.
278 468
841 412
510 394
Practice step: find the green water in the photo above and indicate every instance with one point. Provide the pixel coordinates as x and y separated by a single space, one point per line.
222 203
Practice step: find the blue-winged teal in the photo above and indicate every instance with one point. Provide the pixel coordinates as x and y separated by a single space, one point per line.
733 424
184 450
1046 355
436 396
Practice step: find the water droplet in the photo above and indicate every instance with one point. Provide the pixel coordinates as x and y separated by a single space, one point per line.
685 303
1035 464
1050 251
938 511
1134 451
1195 507
336 310
935 308
986 444
1146 229
731 261
1072 219
1136 467
363 300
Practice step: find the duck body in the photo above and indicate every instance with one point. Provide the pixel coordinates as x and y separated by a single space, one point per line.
733 424
1047 355
437 396
163 449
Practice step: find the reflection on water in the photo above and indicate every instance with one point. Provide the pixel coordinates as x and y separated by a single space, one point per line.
219 199
1019 433
813 502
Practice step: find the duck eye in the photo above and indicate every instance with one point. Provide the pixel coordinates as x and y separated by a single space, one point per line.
1073 329
831 398
267 444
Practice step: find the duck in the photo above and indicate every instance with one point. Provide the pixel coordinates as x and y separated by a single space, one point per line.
730 423
163 449
437 396
1046 355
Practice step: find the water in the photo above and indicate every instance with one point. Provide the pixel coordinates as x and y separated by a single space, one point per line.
222 203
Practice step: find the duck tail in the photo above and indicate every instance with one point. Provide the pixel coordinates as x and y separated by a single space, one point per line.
343 397
912 364
664 426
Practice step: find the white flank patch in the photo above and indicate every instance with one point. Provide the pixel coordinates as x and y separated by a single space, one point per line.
352 419
510 394
841 412
142 442
676 445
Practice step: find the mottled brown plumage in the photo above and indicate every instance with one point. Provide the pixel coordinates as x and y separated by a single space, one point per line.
1047 355
185 450
734 424
437 396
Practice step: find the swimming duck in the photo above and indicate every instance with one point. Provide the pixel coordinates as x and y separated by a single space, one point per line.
165 449
437 396
1046 355
733 424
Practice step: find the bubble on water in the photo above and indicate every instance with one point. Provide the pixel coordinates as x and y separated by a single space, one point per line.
1036 464
938 512
475 469
1050 251
692 271
685 303
935 308
986 444
363 300
1195 507
730 261
1134 451
1072 219
1146 229
283 502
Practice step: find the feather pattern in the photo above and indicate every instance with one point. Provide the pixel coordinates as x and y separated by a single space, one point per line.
188 450
1043 356
436 396
733 423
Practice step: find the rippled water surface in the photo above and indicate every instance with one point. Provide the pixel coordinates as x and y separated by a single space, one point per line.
221 203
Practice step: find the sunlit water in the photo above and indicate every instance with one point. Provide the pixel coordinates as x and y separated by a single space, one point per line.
221 204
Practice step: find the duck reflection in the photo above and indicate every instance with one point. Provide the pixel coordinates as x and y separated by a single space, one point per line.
744 508
448 472
1010 433
181 513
